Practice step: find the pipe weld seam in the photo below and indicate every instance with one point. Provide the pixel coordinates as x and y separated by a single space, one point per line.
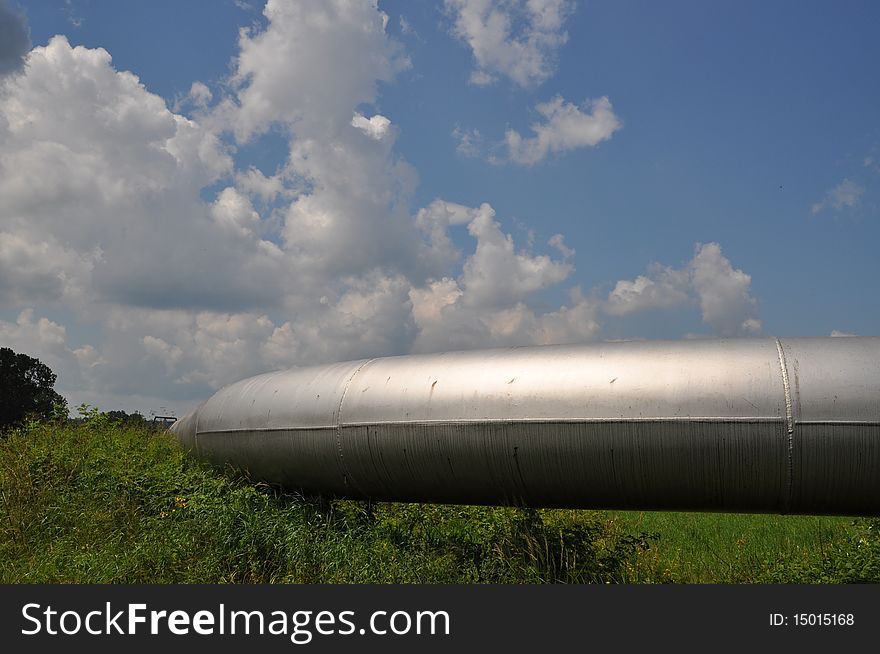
345 472
712 420
789 420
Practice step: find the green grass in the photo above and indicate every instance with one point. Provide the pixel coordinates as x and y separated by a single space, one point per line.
734 548
103 503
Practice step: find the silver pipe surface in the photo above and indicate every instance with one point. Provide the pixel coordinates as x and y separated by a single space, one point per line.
748 425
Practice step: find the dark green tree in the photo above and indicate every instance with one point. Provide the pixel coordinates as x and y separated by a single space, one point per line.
26 389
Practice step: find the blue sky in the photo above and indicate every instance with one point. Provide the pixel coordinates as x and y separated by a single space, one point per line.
713 169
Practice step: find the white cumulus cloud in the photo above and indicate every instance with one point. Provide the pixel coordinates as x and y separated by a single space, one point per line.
101 165
709 280
496 274
314 63
375 127
662 288
565 127
518 39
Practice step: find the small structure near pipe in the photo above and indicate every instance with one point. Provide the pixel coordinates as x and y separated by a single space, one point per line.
747 425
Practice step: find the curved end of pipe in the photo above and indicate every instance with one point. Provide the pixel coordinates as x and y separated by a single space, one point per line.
184 431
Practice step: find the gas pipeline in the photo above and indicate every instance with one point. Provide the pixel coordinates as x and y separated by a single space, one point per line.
742 425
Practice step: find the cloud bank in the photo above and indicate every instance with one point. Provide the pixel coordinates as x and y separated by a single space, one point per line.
132 218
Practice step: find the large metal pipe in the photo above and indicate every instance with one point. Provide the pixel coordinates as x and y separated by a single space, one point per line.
753 425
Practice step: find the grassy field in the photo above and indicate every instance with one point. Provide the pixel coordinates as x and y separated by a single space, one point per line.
738 548
101 503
